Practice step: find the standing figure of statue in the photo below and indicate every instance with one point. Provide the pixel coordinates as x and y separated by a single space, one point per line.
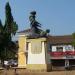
33 23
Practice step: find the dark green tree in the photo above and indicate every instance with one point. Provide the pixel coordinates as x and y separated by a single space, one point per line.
10 29
10 25
1 27
7 31
1 32
73 42
1 37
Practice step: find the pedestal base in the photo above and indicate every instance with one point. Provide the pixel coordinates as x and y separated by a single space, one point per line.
39 67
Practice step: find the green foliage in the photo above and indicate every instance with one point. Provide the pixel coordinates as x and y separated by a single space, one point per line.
9 18
1 37
10 25
1 27
7 46
73 35
14 28
1 31
73 42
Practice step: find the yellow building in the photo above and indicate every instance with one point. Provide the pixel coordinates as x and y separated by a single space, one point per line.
32 53
38 51
45 53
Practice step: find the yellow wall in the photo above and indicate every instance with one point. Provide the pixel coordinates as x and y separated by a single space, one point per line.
22 56
39 67
21 52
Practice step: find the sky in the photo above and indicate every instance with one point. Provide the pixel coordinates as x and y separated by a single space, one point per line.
56 15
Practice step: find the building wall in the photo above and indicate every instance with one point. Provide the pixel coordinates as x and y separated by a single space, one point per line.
21 52
36 52
64 47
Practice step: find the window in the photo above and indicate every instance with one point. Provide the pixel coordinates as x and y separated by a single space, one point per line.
49 47
36 47
59 49
68 48
27 46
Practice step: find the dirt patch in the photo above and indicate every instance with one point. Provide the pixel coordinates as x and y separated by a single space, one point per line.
25 72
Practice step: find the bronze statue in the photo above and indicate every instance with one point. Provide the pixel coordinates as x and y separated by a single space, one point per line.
32 18
33 23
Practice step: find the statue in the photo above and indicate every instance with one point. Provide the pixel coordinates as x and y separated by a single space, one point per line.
33 23
35 26
32 18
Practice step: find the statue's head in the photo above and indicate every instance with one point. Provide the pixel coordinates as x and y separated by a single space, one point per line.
33 13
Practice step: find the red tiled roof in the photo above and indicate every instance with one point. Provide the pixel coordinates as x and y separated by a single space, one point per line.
66 39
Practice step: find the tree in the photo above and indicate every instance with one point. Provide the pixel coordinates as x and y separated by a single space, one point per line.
1 38
73 42
7 46
1 27
1 32
10 28
10 25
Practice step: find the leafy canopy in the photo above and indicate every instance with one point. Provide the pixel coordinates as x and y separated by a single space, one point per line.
7 31
73 43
